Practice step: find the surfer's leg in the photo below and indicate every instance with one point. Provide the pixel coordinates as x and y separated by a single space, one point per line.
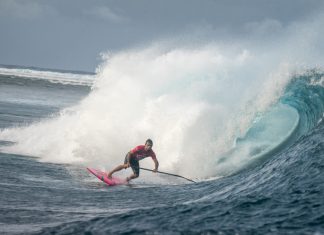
133 176
135 167
118 168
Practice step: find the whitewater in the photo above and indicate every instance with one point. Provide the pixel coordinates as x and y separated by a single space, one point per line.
243 120
192 103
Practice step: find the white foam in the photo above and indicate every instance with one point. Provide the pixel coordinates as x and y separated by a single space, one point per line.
192 102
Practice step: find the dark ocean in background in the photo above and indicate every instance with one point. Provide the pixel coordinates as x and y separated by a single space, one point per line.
280 192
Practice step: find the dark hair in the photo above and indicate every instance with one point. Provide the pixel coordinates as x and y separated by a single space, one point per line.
149 141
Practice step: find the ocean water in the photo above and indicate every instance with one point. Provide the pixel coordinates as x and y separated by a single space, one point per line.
250 134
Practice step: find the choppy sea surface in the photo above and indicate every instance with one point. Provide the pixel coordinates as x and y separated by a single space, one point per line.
53 124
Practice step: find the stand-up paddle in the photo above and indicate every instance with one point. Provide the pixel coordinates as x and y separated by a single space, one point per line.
166 173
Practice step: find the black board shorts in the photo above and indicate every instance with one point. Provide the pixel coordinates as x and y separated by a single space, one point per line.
134 165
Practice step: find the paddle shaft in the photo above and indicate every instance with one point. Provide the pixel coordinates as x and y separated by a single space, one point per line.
161 172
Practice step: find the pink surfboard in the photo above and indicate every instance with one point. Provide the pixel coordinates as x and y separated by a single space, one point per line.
104 177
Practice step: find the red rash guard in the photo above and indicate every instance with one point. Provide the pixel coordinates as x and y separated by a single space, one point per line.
139 153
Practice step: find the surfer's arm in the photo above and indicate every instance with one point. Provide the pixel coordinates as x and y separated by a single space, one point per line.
156 163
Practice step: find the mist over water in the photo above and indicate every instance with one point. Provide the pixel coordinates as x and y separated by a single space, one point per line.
195 102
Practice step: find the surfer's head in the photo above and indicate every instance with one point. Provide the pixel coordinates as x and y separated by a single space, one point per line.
148 144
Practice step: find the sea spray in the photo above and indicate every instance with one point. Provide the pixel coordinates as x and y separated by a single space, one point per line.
193 103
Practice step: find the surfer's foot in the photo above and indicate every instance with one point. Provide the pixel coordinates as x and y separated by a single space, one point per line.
128 179
109 175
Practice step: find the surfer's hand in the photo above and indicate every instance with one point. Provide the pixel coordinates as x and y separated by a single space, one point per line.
127 165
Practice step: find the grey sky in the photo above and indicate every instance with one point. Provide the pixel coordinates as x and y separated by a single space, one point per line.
71 34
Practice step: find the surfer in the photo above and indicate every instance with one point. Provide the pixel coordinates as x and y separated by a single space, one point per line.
134 156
